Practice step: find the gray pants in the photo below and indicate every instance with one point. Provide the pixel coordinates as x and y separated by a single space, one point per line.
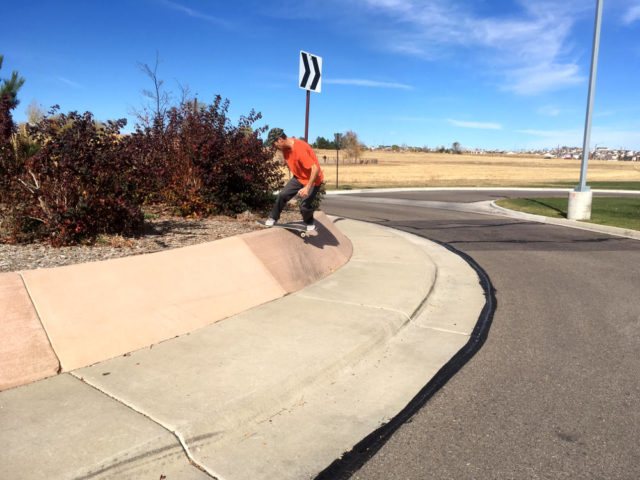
289 191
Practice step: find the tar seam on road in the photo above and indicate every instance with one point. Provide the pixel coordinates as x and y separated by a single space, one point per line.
363 451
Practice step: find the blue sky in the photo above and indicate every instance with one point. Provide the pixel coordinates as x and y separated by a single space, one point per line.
488 74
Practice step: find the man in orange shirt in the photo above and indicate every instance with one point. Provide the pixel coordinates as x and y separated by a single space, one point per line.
306 176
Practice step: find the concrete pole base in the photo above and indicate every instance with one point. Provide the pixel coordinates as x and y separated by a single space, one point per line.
579 205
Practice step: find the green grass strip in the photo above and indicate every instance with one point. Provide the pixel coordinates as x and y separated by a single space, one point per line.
623 212
593 185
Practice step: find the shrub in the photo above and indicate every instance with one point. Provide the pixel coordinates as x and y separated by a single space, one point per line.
210 165
78 185
68 178
151 155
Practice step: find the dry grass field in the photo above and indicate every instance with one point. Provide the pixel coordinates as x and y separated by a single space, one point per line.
446 170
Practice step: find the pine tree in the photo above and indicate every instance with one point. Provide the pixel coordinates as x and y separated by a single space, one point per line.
10 86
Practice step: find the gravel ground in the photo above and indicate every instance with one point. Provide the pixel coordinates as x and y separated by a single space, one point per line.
163 231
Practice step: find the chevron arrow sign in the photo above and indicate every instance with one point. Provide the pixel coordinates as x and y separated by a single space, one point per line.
310 72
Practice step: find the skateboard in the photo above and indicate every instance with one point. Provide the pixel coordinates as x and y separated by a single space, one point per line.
295 227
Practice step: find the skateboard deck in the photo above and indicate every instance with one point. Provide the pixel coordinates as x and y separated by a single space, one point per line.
295 227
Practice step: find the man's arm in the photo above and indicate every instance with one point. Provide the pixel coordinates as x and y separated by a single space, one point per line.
304 191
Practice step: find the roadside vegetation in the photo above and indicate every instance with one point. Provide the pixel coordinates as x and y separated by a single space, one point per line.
67 178
623 212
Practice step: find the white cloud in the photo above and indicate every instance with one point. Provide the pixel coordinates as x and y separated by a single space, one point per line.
613 138
71 83
543 78
194 13
600 135
552 138
478 125
631 15
549 110
548 133
366 83
528 49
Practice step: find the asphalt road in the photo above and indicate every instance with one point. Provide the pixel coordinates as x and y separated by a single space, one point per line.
554 393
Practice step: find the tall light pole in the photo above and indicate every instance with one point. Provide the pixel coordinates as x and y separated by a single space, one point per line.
579 207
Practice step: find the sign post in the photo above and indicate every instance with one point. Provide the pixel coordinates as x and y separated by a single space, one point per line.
309 80
338 138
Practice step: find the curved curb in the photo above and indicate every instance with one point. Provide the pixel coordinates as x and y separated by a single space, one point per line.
293 379
279 391
65 318
345 466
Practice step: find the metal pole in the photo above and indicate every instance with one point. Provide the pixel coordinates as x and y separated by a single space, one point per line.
337 137
306 121
337 151
592 85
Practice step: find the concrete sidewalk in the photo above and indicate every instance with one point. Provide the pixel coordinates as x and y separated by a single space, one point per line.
278 391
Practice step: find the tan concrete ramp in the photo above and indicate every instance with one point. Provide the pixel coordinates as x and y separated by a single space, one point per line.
25 352
296 264
95 311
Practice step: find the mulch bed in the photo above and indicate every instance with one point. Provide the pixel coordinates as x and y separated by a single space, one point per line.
162 231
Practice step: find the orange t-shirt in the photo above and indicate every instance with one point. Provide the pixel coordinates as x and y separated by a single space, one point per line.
300 159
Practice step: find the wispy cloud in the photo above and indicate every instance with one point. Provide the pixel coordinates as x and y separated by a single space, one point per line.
547 133
71 83
366 83
194 13
528 47
615 138
600 135
478 125
542 78
631 15
549 110
551 138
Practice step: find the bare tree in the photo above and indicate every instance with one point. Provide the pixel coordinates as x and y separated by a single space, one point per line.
155 114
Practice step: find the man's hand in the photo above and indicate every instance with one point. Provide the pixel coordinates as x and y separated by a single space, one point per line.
304 192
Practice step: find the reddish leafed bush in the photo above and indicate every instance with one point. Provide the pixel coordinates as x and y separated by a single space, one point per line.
83 178
210 165
81 183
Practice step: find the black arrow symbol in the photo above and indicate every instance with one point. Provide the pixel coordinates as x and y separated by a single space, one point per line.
303 83
316 79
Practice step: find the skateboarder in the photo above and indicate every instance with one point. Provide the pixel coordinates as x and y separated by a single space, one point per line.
305 180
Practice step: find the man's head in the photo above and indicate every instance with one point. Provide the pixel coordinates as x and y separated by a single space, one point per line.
274 137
